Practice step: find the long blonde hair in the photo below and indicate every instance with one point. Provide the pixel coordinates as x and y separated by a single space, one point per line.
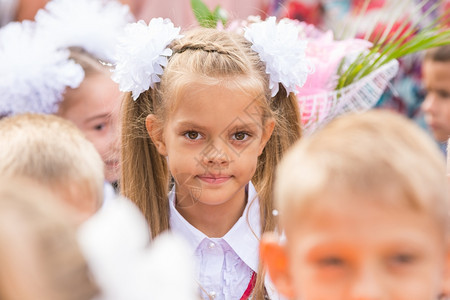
202 53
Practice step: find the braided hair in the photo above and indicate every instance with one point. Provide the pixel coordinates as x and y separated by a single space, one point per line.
211 56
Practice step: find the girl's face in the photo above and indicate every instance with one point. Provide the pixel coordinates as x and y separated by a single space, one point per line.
212 141
355 249
94 108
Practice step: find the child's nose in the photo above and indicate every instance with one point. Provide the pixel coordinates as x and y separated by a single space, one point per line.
367 285
216 155
429 104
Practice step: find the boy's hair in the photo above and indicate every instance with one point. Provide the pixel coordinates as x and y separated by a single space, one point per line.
211 57
51 151
439 54
33 223
373 152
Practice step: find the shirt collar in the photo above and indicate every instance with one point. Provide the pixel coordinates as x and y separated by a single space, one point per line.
243 237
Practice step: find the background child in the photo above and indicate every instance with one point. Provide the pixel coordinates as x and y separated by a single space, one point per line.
53 152
39 253
54 66
218 124
363 204
89 29
436 81
94 108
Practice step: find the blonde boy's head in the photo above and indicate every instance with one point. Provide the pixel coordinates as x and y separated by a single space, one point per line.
363 204
39 253
53 152
374 152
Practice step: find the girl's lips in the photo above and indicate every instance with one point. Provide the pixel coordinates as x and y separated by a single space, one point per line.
214 179
112 164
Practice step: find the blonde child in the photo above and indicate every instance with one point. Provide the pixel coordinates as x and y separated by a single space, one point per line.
89 29
39 253
59 65
53 152
364 207
208 111
94 108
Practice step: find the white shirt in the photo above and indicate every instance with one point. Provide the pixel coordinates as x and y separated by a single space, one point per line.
224 265
109 194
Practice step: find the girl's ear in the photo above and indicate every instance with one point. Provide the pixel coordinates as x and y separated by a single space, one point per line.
156 134
274 257
267 133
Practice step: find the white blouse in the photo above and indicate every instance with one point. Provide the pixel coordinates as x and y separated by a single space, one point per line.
225 265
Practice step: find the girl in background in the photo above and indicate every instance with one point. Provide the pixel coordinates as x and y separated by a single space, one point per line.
58 65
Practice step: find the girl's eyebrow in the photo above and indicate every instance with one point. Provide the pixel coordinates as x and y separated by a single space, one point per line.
250 126
240 125
188 124
95 117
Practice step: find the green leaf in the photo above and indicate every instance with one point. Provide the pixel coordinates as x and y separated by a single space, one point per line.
220 15
202 13
399 44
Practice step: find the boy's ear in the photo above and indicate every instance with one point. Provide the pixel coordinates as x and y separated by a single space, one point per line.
155 134
267 133
274 257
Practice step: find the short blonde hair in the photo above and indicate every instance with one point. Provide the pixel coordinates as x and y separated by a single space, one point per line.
51 151
373 152
37 233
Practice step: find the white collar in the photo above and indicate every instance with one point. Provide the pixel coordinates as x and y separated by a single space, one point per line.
243 237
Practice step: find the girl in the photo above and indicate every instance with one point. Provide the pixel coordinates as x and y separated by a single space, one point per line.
88 29
94 108
216 121
65 32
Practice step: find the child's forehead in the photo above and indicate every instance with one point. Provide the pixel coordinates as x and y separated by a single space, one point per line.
346 206
212 91
439 69
367 219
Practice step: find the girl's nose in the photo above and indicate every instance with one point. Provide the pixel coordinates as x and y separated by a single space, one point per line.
215 155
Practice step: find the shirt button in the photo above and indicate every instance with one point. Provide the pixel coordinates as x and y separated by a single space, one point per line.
212 294
211 245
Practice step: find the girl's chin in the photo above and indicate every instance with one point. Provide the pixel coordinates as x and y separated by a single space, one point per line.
112 177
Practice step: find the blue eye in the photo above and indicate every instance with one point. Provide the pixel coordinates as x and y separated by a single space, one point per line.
192 135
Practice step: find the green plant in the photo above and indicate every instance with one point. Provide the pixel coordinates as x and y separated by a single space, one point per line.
392 44
206 17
